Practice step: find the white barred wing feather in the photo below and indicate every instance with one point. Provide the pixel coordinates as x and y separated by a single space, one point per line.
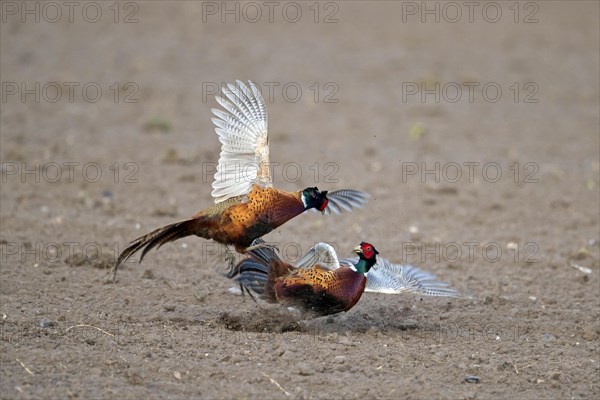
242 127
387 277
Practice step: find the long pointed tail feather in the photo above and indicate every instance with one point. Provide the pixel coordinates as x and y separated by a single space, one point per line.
156 239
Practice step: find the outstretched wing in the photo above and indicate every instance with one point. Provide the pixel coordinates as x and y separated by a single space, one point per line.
321 254
345 200
242 131
386 277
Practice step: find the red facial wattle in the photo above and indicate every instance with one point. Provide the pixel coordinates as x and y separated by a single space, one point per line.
324 205
368 251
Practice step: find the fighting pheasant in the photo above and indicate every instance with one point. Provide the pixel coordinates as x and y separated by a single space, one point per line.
247 205
321 284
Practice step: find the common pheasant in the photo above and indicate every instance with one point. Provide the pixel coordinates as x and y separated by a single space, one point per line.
247 205
321 284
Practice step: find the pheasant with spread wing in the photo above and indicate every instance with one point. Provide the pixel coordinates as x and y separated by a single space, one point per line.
247 205
321 284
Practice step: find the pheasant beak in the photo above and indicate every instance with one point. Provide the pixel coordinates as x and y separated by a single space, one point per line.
357 250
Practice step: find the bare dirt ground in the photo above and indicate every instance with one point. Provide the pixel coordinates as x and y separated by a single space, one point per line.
116 139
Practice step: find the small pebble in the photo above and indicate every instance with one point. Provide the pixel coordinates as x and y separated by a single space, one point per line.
472 379
46 323
408 324
235 290
306 370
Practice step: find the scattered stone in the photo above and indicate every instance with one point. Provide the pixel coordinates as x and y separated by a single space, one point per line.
408 324
90 341
170 308
235 290
305 370
46 323
472 379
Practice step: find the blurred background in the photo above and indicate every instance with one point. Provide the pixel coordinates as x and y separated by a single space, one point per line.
366 86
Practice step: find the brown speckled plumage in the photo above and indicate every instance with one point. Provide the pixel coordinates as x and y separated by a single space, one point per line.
313 288
320 290
237 221
265 209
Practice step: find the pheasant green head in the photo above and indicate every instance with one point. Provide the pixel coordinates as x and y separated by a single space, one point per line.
313 198
367 257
